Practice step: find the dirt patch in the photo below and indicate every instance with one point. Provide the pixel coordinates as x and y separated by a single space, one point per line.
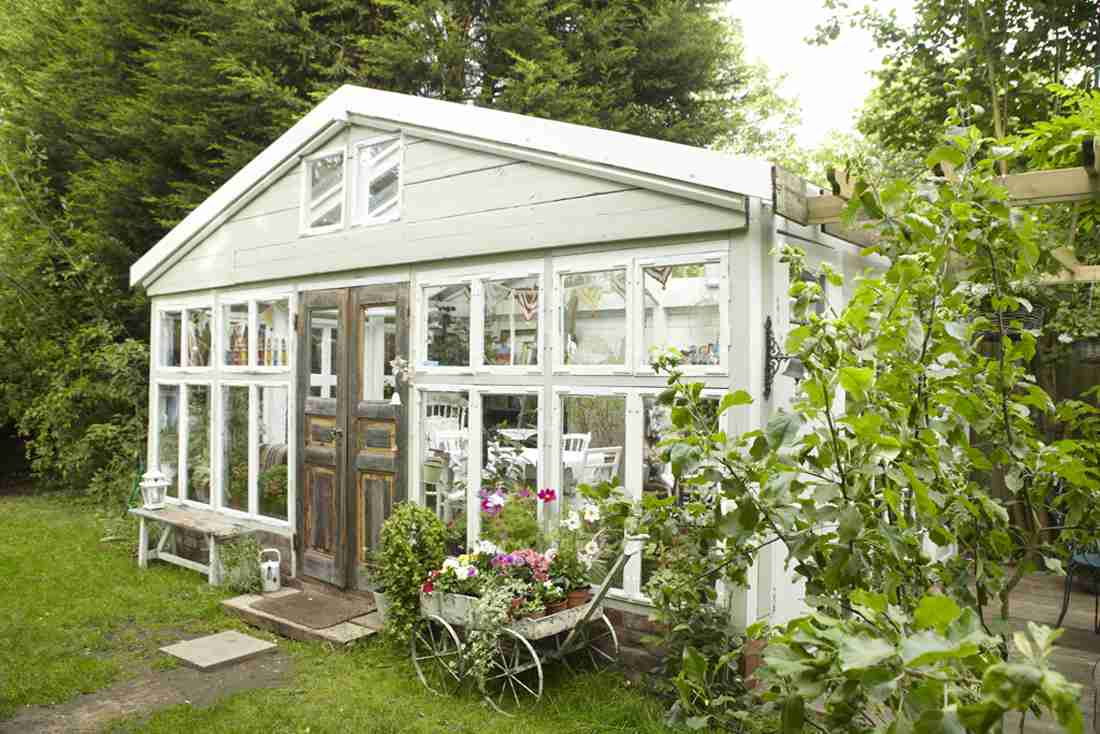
149 692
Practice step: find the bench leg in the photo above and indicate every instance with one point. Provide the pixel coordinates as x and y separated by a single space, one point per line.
214 575
143 544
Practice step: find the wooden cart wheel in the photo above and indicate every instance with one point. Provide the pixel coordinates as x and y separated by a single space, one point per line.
436 655
595 644
514 673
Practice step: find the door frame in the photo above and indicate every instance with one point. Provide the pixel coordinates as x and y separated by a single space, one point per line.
348 357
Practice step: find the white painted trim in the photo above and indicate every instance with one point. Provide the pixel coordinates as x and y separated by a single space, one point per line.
306 207
364 219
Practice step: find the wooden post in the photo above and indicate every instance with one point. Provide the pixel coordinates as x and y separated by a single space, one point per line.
143 544
214 574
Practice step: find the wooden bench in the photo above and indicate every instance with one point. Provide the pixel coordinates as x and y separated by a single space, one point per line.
215 526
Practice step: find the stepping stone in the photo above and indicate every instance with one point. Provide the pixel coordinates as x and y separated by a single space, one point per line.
216 651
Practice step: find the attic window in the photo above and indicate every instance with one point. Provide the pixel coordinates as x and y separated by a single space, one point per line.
378 180
323 209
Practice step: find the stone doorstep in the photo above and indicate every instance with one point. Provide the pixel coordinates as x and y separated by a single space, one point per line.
219 650
344 633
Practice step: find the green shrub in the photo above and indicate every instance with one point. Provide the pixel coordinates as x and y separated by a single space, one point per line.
413 544
240 560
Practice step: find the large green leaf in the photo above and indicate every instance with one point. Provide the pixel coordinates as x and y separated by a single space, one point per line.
936 612
859 653
782 429
856 380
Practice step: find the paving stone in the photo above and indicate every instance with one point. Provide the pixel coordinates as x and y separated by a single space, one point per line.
370 621
215 651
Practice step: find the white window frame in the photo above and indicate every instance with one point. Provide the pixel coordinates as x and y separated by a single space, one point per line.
533 271
223 304
185 441
157 335
581 265
421 331
154 438
642 364
307 207
252 301
361 215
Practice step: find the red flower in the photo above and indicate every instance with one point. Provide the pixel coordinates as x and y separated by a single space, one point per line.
427 587
547 495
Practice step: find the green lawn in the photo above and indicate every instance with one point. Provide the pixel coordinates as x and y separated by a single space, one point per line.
77 614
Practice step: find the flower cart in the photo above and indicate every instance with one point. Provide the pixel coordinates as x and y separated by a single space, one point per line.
580 635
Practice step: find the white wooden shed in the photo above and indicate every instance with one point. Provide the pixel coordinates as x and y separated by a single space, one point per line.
523 268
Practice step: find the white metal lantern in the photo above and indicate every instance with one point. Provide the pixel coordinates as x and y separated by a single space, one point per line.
154 487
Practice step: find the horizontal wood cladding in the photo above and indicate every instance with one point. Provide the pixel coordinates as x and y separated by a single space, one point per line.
456 203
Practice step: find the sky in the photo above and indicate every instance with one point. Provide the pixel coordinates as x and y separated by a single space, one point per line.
830 82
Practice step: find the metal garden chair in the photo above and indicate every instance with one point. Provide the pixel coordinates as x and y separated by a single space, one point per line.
1086 561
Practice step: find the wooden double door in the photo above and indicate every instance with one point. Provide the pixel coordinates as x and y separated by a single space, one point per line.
352 428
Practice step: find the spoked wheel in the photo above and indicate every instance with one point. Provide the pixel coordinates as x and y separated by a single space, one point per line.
595 645
514 673
436 655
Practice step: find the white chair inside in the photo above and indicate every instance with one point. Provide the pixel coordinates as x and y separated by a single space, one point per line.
601 465
575 441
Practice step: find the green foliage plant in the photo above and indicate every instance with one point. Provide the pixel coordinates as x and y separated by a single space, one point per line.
240 559
413 545
914 393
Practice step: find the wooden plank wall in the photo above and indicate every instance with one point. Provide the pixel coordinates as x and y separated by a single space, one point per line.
457 202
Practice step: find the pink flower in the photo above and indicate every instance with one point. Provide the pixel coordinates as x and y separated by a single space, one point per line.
547 495
427 587
524 492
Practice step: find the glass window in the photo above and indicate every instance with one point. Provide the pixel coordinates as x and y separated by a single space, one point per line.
657 478
682 310
379 180
235 334
273 414
198 443
592 441
379 344
273 334
326 186
445 436
594 317
512 321
510 516
448 325
168 435
235 447
171 333
324 366
198 337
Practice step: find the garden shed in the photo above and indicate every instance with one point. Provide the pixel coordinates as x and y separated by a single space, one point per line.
399 290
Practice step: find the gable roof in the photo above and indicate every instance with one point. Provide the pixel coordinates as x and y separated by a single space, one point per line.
690 172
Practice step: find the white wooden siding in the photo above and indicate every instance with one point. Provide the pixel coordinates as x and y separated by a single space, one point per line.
457 203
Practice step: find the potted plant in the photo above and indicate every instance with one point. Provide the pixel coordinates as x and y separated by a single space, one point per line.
413 542
376 585
554 597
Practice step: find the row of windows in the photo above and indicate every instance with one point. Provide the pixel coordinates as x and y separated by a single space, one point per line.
606 320
249 334
245 467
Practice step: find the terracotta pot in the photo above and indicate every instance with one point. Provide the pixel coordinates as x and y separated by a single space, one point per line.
577 597
557 606
536 615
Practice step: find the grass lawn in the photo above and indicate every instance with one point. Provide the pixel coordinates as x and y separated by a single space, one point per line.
77 615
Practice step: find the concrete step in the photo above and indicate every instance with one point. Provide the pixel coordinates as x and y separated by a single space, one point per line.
343 633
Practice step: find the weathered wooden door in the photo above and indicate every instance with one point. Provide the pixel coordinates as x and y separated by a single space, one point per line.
375 468
322 373
352 427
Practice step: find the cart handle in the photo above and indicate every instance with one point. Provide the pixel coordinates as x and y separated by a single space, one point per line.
632 547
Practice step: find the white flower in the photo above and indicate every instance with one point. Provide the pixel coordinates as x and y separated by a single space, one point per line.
720 546
591 513
450 563
592 548
1065 339
551 554
496 499
727 506
486 547
572 520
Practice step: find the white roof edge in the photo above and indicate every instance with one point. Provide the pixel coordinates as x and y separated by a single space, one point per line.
693 166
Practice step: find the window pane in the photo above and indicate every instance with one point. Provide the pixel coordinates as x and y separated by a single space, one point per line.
383 189
329 218
594 317
325 174
171 323
235 447
444 450
324 326
509 475
198 337
272 333
168 436
682 307
511 321
379 334
235 334
448 325
274 412
657 478
198 443
593 437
